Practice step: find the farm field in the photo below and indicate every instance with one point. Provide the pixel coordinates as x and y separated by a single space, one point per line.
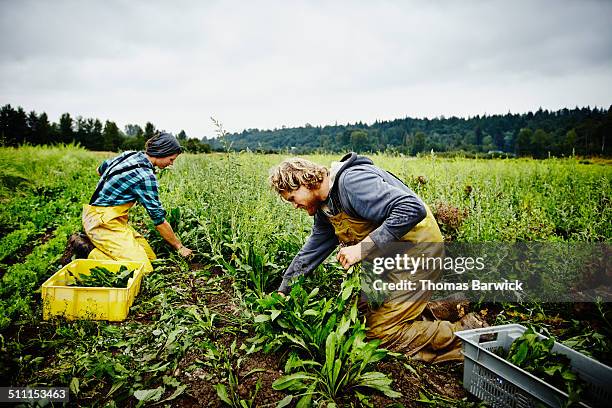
208 332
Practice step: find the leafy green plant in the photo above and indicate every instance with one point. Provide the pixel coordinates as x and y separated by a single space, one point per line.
536 356
346 369
229 394
250 267
439 401
301 321
329 332
99 276
11 242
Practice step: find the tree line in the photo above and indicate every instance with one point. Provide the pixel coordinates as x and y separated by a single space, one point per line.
581 131
18 127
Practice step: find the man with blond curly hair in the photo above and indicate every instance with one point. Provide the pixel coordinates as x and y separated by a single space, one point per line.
364 208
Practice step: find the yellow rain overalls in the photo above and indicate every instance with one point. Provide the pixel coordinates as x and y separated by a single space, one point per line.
108 230
398 321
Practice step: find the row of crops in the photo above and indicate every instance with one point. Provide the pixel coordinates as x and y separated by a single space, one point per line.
209 331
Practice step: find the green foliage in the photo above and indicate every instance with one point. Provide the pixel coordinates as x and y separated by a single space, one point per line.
45 203
536 356
10 243
244 237
533 134
300 322
99 276
346 368
229 393
135 360
330 334
581 131
17 128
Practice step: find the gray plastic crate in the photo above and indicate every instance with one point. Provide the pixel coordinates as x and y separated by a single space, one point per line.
502 384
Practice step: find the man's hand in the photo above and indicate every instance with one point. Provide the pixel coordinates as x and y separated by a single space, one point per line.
184 251
350 255
282 294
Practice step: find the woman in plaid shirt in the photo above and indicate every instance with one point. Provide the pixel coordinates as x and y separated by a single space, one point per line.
125 180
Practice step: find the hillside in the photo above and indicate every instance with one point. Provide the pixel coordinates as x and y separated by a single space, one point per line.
583 131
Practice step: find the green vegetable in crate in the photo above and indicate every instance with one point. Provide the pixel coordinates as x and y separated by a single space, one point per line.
102 277
536 356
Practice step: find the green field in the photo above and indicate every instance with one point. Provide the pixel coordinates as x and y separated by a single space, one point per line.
208 331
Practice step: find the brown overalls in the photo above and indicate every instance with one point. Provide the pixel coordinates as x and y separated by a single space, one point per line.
398 322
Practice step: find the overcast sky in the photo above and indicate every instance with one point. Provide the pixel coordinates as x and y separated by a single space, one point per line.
265 64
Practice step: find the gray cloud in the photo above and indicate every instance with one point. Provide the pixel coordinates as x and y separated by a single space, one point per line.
273 63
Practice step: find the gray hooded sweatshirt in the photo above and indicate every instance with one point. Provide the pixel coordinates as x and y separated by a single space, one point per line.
361 190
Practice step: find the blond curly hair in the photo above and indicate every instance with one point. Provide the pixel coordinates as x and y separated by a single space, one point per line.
295 172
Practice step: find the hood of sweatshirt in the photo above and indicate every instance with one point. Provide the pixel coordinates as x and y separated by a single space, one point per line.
349 160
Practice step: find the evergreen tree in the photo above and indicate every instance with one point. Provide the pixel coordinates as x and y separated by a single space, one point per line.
606 133
89 133
149 130
13 126
44 132
32 134
39 129
523 142
96 135
66 128
418 143
81 133
112 137
498 139
479 136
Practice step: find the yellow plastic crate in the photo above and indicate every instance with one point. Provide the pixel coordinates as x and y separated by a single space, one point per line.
73 302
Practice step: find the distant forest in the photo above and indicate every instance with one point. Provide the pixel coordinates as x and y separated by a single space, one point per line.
18 127
580 131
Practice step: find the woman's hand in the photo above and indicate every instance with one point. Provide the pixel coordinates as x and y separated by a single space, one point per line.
165 230
184 251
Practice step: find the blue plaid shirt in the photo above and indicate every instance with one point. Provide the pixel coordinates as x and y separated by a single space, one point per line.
136 184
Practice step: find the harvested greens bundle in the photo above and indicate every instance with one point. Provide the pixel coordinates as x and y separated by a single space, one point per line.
102 277
536 356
